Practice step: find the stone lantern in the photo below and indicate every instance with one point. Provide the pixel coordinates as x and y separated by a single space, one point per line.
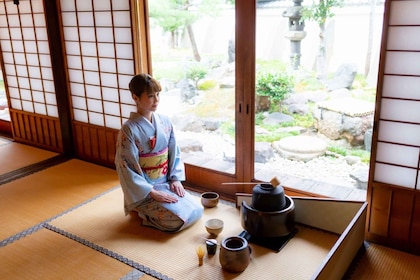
296 32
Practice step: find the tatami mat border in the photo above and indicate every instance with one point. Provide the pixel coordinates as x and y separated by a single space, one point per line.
31 169
134 274
39 226
21 234
109 253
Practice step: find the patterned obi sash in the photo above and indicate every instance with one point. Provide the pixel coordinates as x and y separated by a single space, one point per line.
155 165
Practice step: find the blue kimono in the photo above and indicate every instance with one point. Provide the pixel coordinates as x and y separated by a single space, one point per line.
148 157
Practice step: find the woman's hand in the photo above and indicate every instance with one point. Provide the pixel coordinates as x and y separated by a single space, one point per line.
163 196
177 188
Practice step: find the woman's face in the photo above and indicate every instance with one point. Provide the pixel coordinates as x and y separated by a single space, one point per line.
147 102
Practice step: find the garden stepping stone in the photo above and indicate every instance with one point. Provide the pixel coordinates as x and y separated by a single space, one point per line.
302 147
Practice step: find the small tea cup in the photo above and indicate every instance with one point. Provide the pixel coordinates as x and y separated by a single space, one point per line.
209 199
214 226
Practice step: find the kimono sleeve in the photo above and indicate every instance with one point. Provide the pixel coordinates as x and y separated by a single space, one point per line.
133 182
176 165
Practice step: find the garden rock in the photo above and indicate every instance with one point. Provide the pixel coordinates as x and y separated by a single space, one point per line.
297 98
300 109
231 51
263 152
277 118
167 84
229 155
316 96
225 74
188 123
211 124
361 176
352 160
305 97
292 129
187 145
261 131
368 139
340 93
227 82
302 148
345 118
188 91
343 77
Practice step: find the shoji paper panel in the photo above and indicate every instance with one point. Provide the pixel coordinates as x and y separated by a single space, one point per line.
99 51
27 62
397 160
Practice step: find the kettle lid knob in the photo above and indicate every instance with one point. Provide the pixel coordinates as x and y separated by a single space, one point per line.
275 182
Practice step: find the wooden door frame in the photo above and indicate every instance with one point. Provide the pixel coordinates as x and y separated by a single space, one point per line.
393 216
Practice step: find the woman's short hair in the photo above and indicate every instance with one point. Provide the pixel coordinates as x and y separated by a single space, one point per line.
144 83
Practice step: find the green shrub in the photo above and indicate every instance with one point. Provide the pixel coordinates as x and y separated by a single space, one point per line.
207 84
228 128
338 150
362 154
276 85
307 121
259 117
275 136
196 72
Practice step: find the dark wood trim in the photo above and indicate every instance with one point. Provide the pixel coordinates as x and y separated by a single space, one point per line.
6 128
141 36
394 217
95 144
245 48
58 63
36 130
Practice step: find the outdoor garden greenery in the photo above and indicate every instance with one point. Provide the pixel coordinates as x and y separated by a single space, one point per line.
276 85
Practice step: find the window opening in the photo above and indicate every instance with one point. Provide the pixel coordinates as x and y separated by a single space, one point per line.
315 98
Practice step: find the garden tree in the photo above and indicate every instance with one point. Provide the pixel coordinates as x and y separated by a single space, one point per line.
177 15
320 11
196 73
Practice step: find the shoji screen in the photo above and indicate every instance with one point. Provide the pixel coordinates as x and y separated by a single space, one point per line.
28 74
395 192
98 38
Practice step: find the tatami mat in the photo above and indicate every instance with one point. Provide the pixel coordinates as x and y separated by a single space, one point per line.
33 199
15 155
48 255
101 224
382 263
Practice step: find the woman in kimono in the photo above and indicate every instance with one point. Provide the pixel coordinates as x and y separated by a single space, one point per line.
149 166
